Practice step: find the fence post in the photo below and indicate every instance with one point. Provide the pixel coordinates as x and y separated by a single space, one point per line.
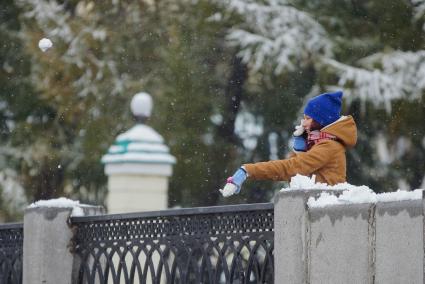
291 234
47 257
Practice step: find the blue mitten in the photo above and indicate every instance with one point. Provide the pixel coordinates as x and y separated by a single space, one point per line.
300 144
299 139
234 183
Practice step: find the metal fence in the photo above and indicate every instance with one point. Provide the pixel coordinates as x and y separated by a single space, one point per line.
223 244
11 248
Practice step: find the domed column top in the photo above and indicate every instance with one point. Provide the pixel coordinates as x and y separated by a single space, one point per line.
140 150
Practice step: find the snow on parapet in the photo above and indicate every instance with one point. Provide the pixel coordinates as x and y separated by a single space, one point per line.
305 182
351 194
400 195
363 194
61 202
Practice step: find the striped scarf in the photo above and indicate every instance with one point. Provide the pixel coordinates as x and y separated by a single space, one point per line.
317 136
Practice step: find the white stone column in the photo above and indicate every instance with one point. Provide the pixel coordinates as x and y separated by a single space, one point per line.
138 165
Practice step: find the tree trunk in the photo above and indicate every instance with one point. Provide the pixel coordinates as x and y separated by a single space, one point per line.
233 97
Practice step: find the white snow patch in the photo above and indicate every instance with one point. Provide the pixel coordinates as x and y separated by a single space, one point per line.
44 44
305 182
324 200
61 202
357 194
77 212
362 194
140 144
141 132
351 194
400 195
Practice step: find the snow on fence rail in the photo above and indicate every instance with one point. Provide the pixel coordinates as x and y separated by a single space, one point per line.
221 244
11 248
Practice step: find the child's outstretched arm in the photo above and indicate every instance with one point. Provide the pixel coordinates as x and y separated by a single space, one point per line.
304 163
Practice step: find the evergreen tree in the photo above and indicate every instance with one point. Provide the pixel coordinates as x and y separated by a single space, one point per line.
229 79
17 102
371 49
99 60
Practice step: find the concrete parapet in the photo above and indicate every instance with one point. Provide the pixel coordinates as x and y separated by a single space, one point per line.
343 241
340 247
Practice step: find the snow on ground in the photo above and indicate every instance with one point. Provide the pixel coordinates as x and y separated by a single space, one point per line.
351 194
61 202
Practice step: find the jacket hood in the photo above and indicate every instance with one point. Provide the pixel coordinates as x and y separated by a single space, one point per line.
345 129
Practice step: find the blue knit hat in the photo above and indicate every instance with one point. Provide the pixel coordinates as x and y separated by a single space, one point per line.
324 108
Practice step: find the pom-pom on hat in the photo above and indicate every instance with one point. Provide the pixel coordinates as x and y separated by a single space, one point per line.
324 108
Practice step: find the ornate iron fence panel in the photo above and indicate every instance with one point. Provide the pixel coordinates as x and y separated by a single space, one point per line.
223 244
11 248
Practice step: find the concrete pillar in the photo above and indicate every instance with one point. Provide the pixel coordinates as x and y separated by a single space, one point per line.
138 165
47 258
291 234
341 246
399 242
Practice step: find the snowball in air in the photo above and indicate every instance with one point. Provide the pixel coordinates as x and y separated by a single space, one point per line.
44 44
141 104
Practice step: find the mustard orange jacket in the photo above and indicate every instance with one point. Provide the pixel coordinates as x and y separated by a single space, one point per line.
325 159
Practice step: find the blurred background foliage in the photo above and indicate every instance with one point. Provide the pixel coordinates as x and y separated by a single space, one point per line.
228 79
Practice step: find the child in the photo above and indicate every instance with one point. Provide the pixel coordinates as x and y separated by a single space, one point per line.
320 143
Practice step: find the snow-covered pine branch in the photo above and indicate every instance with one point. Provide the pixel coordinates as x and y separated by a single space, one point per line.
407 68
56 23
49 14
367 85
401 75
276 34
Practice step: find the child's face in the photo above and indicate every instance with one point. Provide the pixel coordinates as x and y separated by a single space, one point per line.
307 123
